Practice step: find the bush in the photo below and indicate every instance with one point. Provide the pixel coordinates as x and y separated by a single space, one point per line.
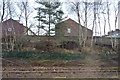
42 55
17 54
69 44
107 56
46 45
87 50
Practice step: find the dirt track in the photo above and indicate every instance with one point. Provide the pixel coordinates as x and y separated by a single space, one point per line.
90 69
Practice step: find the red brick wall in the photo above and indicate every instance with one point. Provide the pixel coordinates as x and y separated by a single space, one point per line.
74 26
11 27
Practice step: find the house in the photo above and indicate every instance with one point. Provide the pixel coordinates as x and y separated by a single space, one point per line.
13 32
114 34
111 40
12 27
69 29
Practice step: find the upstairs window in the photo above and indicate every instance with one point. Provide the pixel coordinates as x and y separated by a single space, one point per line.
9 29
69 30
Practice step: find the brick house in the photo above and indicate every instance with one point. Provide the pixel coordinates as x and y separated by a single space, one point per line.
69 29
12 27
12 31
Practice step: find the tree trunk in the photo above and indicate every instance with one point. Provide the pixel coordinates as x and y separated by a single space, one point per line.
86 32
108 14
3 11
80 28
118 52
0 37
94 23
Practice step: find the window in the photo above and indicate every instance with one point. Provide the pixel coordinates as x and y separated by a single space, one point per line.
68 30
9 29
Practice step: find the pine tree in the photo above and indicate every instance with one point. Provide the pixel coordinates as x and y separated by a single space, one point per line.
49 14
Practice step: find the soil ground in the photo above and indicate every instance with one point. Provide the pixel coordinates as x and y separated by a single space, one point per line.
90 67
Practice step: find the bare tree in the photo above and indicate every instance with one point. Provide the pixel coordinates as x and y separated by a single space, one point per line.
94 21
3 10
85 23
25 6
12 37
24 14
108 17
83 12
116 12
87 11
75 6
9 8
103 12
21 8
6 10
2 13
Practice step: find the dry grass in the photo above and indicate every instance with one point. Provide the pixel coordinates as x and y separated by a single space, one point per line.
97 50
60 50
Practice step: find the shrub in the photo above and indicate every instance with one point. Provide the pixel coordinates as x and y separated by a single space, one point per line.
22 42
34 55
47 45
17 54
69 44
86 50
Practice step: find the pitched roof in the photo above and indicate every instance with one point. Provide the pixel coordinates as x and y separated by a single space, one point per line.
74 22
68 20
17 21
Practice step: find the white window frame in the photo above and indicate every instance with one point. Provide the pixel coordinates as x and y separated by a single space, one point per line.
68 30
9 29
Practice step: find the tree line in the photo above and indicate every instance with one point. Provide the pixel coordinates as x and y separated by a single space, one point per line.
94 14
